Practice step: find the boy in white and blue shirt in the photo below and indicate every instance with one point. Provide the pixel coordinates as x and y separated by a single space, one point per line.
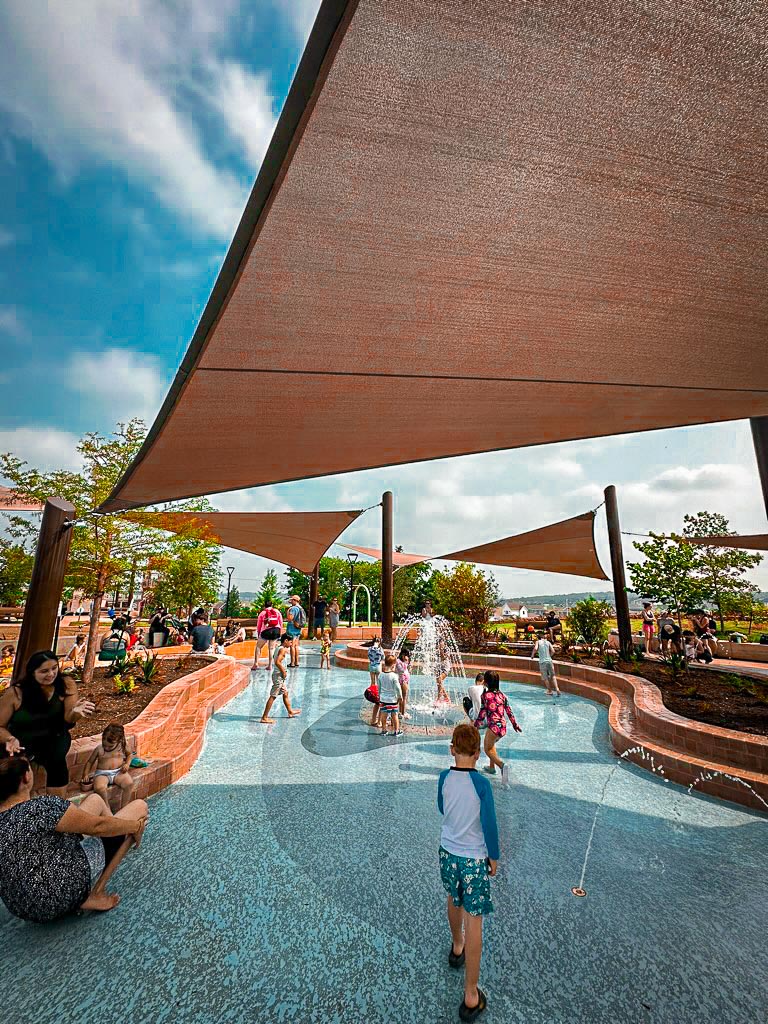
469 852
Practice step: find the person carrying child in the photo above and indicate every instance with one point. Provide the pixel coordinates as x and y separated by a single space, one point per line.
108 766
492 710
279 687
469 854
390 695
325 649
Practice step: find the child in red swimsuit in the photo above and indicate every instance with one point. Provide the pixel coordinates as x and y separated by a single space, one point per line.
493 707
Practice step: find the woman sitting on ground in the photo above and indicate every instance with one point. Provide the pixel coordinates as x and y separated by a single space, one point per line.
52 858
36 715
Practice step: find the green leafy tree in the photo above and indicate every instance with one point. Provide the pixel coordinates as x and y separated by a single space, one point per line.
268 591
105 548
589 619
232 605
720 571
669 574
15 573
466 595
190 575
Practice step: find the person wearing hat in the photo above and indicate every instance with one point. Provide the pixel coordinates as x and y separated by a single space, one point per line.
296 619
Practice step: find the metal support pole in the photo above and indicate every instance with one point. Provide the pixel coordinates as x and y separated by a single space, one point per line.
387 577
230 570
351 558
44 596
760 440
314 585
617 571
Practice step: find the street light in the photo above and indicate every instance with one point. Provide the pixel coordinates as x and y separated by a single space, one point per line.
230 570
352 557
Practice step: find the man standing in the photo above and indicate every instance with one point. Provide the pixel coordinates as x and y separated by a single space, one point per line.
318 615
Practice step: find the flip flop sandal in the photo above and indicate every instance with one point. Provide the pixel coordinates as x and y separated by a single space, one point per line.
472 1013
456 959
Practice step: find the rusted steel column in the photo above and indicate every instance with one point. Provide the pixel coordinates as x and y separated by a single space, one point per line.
47 583
617 572
759 426
387 578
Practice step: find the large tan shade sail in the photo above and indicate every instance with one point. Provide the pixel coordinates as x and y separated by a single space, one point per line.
483 226
298 539
399 558
566 547
750 542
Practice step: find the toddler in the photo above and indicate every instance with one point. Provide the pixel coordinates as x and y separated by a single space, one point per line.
325 649
108 766
375 657
279 688
403 669
390 695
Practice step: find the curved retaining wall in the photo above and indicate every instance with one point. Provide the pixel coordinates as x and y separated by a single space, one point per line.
171 729
637 716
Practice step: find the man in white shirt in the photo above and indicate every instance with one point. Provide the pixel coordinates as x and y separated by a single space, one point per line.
544 649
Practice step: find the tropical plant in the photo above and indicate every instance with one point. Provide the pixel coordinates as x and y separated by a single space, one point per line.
124 684
609 660
678 665
148 667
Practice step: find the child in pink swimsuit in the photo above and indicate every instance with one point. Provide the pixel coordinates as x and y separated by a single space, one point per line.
493 707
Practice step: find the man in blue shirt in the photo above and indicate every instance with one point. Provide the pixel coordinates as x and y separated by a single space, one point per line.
469 853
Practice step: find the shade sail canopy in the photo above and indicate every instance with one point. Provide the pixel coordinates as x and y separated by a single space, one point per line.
10 503
298 539
566 547
399 558
752 542
482 226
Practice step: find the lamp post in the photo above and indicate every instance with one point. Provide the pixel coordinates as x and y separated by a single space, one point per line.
230 570
352 558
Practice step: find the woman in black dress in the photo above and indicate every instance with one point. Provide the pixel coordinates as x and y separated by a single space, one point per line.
36 715
52 857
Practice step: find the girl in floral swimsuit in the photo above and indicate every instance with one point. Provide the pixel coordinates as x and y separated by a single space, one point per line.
493 707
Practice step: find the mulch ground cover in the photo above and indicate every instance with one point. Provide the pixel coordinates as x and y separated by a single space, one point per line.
124 707
717 698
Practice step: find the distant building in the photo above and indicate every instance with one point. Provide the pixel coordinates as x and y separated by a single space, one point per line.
508 610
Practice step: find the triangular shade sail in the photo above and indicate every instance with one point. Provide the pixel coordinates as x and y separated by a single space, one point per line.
10 503
567 547
298 539
751 542
482 226
399 558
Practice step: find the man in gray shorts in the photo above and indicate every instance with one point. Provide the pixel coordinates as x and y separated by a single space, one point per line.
544 649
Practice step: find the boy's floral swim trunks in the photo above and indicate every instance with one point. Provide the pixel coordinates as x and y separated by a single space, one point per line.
467 882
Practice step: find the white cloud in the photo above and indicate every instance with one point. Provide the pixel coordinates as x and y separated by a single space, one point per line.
708 478
10 321
560 466
124 383
44 448
300 14
94 82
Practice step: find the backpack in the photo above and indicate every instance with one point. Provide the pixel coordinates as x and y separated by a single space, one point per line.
273 617
300 619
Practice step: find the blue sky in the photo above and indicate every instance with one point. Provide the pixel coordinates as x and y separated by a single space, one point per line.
130 135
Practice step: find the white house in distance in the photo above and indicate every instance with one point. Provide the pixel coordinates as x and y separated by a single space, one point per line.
509 610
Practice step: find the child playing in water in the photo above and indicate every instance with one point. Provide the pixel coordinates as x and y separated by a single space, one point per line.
403 669
325 649
375 657
443 671
390 695
108 766
279 688
493 707
473 701
469 853
544 649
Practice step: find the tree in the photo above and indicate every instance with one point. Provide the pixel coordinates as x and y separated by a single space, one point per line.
15 573
232 605
720 570
465 595
190 575
268 591
668 575
104 547
589 619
